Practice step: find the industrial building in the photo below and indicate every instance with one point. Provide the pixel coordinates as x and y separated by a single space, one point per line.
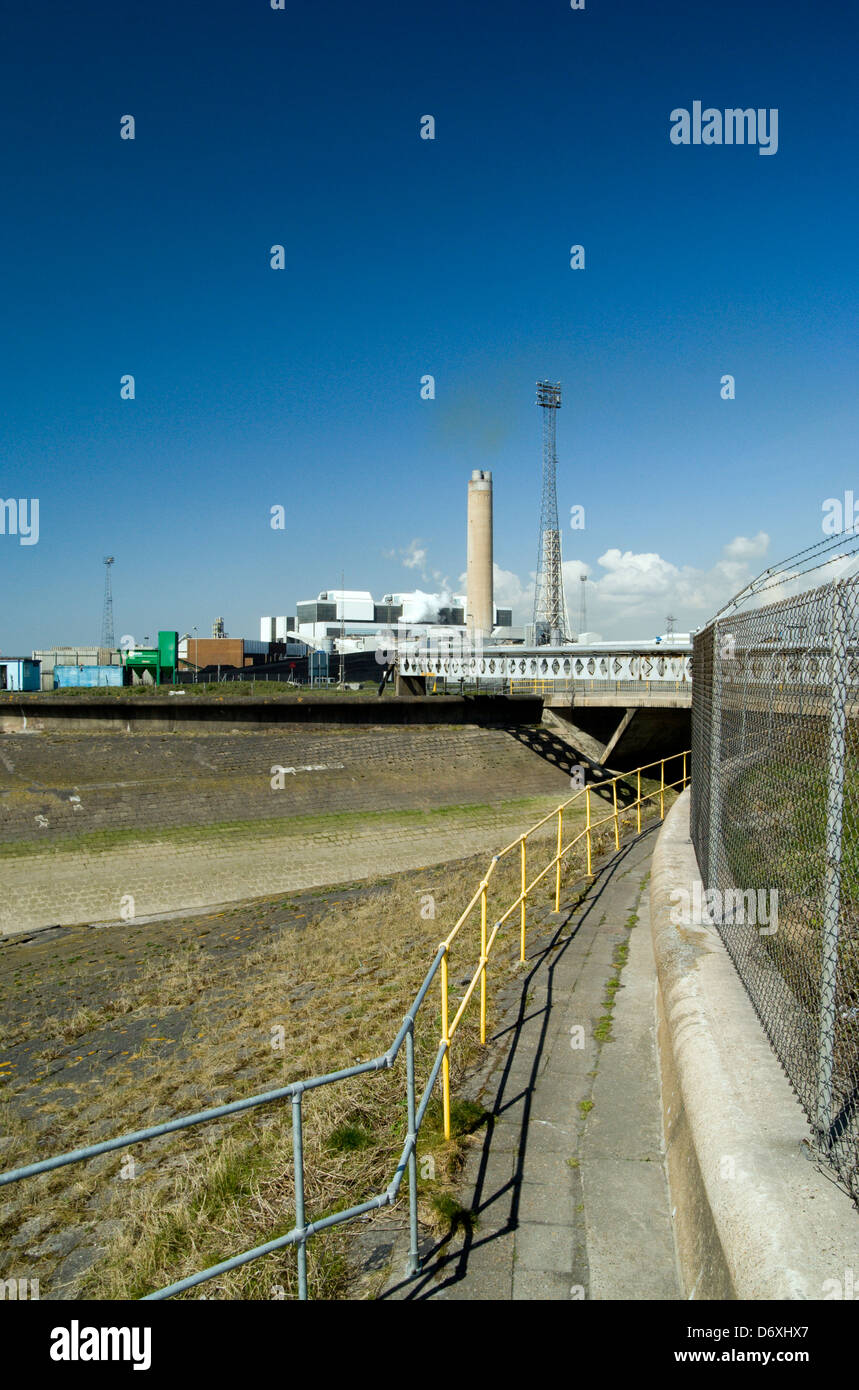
354 617
19 673
205 652
350 620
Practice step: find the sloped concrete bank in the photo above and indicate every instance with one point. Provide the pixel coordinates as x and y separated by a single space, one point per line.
753 1216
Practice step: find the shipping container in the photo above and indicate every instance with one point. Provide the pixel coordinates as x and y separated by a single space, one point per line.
68 676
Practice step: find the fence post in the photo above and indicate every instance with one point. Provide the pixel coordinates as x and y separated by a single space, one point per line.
524 877
616 824
558 869
445 1037
745 704
638 801
715 810
588 826
483 964
774 662
298 1168
832 884
662 790
414 1253
684 770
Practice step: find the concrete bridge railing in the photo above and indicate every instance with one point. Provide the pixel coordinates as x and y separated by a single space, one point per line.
580 665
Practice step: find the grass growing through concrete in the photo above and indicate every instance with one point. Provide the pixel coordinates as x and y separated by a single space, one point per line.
602 1031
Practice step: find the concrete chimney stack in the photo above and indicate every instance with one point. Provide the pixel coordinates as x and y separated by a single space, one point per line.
480 611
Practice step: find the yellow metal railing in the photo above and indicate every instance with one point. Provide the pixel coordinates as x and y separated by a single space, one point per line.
530 686
449 1025
547 685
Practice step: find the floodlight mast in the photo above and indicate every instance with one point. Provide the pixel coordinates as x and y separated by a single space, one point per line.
551 624
107 612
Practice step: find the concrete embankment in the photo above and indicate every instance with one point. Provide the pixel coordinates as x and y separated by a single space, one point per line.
183 711
753 1216
97 824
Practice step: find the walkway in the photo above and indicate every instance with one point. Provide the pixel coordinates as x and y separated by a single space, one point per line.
566 1186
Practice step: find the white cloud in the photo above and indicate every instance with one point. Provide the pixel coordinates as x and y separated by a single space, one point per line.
414 556
636 592
630 593
748 548
510 592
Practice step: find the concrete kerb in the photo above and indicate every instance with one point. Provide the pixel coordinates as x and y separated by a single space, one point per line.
754 1218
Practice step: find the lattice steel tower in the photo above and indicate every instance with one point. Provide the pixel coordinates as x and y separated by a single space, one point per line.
550 606
107 615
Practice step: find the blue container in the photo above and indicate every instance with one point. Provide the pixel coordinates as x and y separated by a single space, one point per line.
66 676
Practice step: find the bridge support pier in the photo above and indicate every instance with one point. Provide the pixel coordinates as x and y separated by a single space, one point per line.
410 685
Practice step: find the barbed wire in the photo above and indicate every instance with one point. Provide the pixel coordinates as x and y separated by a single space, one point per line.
796 567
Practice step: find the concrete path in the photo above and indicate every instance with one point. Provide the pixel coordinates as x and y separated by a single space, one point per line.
566 1187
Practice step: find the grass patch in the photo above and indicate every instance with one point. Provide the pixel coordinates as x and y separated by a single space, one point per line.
348 1139
602 1031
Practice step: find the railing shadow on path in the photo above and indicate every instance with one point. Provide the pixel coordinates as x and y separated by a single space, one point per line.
437 1259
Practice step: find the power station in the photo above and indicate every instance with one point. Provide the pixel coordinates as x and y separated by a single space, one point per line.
348 622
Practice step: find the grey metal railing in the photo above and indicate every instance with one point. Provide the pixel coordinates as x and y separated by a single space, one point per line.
302 1230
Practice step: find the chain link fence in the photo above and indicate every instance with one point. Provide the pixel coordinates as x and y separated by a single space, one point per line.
775 821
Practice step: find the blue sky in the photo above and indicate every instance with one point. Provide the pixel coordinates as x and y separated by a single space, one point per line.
407 257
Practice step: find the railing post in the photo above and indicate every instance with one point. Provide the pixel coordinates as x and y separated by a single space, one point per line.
662 790
616 824
588 826
298 1168
483 965
838 677
524 877
414 1253
445 1037
638 801
558 869
684 769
